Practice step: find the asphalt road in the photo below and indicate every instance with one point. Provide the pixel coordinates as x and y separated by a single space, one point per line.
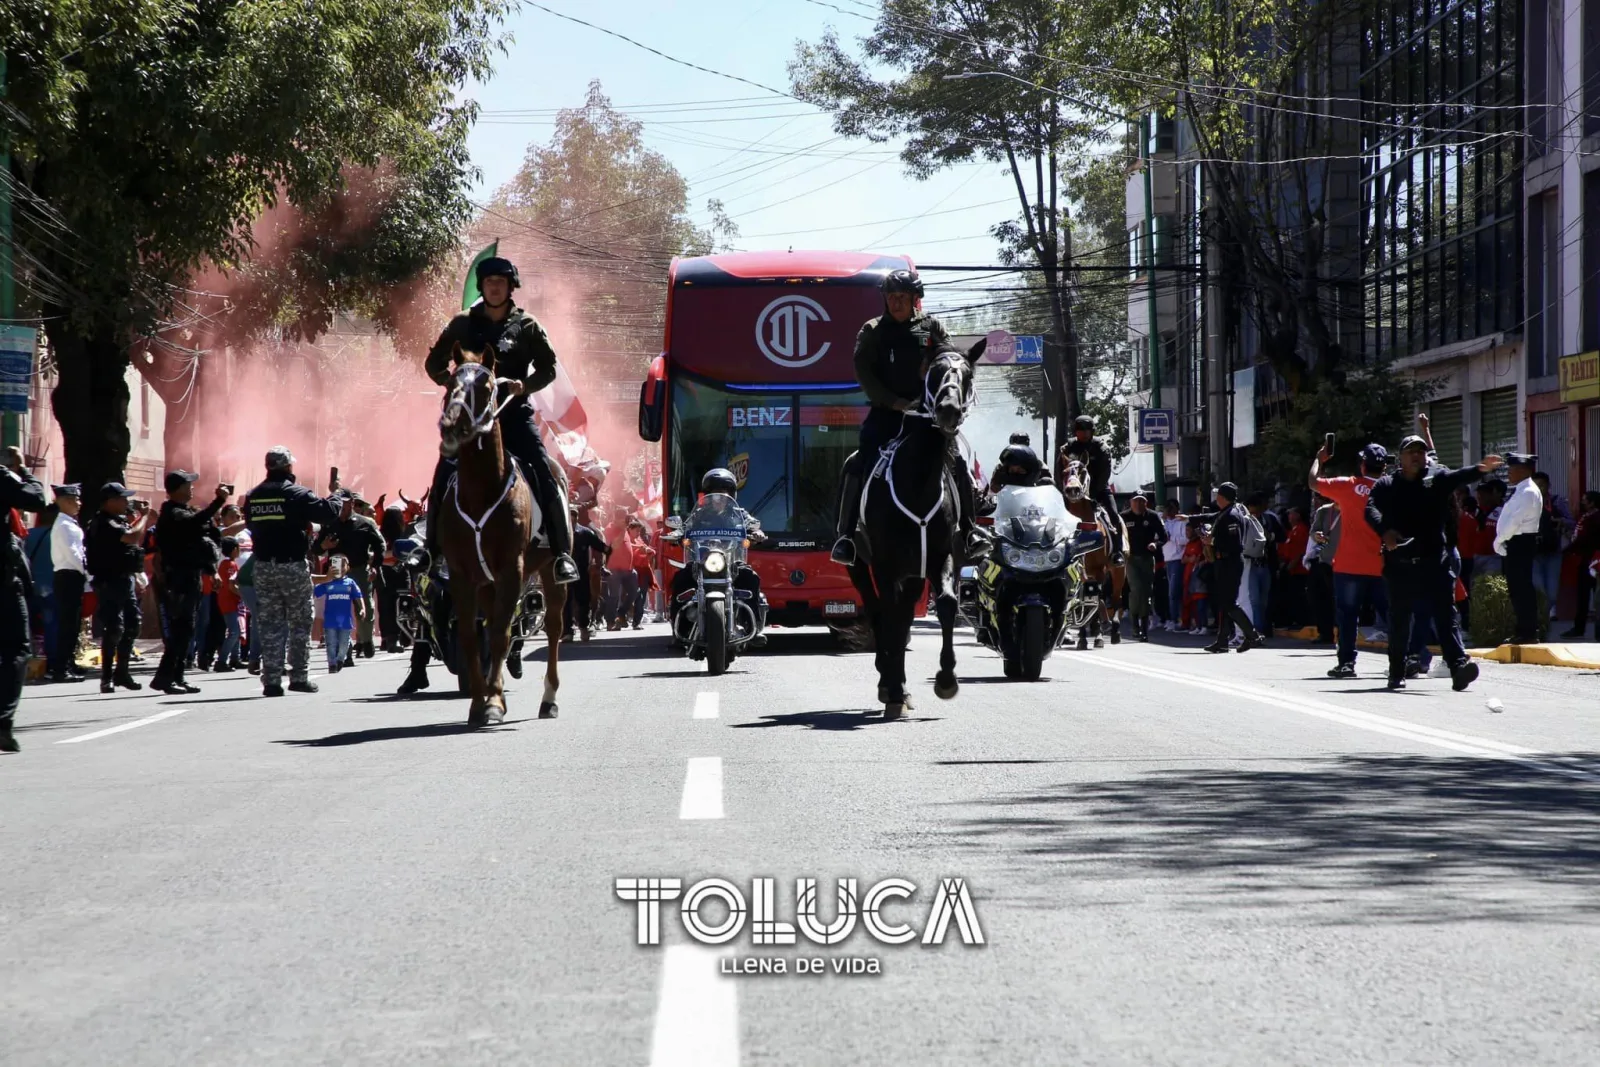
1174 858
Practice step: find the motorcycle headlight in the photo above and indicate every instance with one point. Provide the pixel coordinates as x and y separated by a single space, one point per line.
1054 557
1012 555
715 563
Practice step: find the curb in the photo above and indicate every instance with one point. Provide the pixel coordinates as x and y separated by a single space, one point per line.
1542 655
1538 655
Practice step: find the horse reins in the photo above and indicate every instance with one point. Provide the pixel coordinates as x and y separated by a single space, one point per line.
481 426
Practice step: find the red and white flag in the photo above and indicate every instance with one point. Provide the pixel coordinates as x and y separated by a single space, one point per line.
566 426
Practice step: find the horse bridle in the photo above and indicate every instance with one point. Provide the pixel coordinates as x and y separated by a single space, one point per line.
930 397
479 423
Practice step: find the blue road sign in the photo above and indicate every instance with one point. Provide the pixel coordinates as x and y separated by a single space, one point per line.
1030 349
16 366
1157 426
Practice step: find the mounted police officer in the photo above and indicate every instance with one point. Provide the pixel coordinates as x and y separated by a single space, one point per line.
279 513
892 351
516 347
1086 449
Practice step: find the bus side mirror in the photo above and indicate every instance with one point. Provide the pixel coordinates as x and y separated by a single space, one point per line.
652 406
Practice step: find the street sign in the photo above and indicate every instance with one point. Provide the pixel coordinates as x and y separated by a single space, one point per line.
1030 349
17 344
1158 426
1002 347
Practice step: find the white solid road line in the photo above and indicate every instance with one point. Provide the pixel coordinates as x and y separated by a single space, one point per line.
125 726
1467 744
697 1016
702 789
706 705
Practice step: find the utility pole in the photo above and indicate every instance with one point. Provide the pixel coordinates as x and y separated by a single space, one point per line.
10 426
1147 132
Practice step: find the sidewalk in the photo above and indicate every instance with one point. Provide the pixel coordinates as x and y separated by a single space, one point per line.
1582 656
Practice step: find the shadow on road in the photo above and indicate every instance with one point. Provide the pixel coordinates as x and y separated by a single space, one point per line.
830 720
1398 839
399 733
405 698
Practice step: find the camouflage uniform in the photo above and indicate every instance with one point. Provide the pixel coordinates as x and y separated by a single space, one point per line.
284 599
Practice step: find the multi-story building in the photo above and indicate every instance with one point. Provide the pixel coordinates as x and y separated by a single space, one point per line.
1561 184
1424 250
1442 231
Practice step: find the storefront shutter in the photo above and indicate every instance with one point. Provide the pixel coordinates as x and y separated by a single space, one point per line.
1497 420
1444 421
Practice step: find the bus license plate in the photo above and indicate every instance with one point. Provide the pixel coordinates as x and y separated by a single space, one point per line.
839 607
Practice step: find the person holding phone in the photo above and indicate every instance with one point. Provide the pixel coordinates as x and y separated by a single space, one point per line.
114 554
1410 514
186 555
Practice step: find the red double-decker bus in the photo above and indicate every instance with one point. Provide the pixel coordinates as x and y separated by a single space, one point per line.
757 376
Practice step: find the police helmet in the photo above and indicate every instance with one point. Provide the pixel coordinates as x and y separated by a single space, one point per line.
1083 422
720 480
903 281
497 265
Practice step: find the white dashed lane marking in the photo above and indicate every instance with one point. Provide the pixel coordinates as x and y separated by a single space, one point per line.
125 726
707 705
702 789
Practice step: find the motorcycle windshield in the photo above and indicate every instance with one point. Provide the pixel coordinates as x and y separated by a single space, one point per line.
718 517
1032 515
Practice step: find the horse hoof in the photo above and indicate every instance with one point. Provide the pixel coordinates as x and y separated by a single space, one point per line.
1083 644
893 711
494 713
1099 642
945 688
477 717
1116 636
548 710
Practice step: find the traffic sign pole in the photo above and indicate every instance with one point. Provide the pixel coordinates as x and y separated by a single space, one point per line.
1146 133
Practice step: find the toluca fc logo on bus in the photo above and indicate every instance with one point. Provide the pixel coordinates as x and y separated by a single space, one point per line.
784 334
726 911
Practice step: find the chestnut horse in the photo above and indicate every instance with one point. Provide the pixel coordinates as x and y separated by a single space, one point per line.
487 518
1097 564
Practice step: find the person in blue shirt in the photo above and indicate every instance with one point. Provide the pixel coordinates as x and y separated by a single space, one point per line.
340 594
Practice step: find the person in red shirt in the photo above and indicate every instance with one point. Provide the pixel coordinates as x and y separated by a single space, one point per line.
1358 563
1292 551
230 605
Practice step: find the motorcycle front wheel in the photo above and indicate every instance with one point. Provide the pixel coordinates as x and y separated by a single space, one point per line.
715 629
1031 638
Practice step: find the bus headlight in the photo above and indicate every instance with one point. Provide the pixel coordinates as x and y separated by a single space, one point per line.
715 563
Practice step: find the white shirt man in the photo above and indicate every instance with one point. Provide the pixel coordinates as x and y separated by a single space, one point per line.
67 558
1520 514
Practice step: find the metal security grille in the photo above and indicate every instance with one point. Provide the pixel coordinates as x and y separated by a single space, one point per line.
1497 420
1550 443
1444 422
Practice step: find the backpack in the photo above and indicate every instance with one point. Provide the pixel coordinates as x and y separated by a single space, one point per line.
1252 538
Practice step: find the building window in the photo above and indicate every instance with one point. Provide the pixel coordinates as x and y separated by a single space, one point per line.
1441 193
1544 285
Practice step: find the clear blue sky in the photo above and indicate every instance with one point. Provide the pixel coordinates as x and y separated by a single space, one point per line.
786 179
784 176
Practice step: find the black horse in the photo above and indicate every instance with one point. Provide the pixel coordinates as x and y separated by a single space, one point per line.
906 535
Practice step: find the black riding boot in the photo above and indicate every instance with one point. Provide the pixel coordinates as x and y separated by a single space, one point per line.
557 532
844 549
418 677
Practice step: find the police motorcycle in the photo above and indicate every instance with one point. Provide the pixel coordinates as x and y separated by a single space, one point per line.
715 620
426 612
1026 590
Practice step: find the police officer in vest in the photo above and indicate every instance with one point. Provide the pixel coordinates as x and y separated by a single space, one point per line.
21 490
517 348
891 351
279 514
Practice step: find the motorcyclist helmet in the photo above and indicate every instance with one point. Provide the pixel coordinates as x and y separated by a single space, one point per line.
719 480
497 265
903 281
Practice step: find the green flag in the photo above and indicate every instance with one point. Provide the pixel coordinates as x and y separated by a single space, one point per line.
469 291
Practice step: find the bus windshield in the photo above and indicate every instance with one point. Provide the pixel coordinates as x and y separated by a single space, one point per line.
785 447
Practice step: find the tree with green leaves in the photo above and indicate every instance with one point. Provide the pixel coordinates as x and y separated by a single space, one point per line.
1000 81
148 135
607 213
